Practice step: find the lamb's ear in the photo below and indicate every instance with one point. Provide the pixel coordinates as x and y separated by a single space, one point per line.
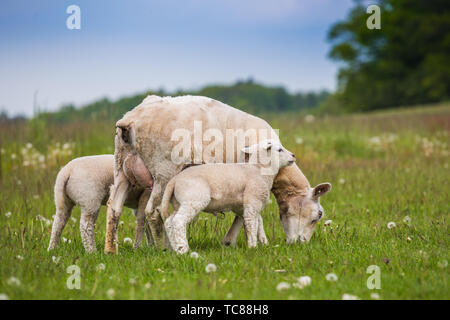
321 189
266 144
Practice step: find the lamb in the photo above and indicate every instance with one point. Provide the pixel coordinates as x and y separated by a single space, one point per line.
243 188
88 182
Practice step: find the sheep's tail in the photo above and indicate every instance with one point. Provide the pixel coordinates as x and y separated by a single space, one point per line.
63 207
165 203
60 188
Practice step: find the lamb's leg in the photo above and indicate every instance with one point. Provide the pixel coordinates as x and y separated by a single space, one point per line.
62 216
154 218
140 218
176 225
115 205
251 213
87 228
261 234
231 236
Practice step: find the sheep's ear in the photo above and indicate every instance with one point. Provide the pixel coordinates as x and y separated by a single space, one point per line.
321 189
266 144
247 150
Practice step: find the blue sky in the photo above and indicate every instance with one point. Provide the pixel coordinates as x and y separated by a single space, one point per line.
125 47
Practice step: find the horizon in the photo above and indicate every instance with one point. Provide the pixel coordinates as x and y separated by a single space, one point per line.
123 50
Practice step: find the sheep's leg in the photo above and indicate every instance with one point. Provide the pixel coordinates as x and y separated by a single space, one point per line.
176 225
87 228
115 205
261 234
231 236
251 213
140 218
154 218
148 233
62 216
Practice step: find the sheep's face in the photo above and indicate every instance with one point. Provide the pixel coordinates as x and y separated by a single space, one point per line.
301 214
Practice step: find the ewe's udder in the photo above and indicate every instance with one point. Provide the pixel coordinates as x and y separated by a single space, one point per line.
136 172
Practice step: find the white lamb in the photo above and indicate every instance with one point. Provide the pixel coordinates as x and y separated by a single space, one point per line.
243 188
88 182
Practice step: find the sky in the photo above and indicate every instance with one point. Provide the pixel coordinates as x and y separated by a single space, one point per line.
128 47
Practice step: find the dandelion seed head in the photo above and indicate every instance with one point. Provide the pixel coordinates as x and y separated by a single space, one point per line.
4 296
8 214
375 296
406 219
347 296
127 241
111 293
194 255
304 280
283 286
13 281
211 267
101 267
391 225
328 222
332 277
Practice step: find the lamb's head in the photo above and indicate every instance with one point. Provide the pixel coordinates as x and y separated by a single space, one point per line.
301 213
270 154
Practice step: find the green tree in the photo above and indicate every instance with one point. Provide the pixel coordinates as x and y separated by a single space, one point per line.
405 62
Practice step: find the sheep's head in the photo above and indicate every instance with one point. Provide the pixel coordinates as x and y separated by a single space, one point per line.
300 214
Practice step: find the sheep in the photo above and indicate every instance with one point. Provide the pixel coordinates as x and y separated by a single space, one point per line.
243 188
148 130
88 182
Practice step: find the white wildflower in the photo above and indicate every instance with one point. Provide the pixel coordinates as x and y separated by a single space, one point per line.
194 255
19 257
4 296
8 214
332 277
443 264
328 222
304 281
101 267
298 140
375 296
341 180
73 219
127 241
283 286
13 156
13 281
64 239
56 259
391 225
211 267
111 293
407 219
347 296
147 285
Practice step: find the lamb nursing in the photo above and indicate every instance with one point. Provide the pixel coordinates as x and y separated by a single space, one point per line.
243 188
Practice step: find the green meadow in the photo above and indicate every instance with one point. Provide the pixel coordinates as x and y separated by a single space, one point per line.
389 167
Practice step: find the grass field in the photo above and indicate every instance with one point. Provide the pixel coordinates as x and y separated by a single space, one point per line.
384 167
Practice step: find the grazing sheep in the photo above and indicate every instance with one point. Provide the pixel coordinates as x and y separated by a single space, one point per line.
148 131
88 182
243 188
